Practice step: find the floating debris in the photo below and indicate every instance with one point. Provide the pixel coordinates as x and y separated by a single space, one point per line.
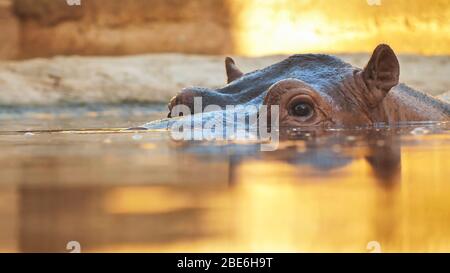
137 137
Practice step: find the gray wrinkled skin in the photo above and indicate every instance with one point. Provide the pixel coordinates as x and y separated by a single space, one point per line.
337 94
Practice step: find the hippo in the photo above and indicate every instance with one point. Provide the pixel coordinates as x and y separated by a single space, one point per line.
321 90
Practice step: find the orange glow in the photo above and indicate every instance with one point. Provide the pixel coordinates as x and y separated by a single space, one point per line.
143 200
277 206
279 201
298 26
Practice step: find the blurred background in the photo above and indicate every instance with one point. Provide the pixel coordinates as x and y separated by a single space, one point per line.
145 51
41 28
92 68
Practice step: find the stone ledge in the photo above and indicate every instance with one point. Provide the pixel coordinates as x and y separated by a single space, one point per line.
158 77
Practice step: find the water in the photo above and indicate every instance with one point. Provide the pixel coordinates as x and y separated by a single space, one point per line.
79 177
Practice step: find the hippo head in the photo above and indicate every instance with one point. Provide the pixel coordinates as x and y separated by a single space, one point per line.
310 89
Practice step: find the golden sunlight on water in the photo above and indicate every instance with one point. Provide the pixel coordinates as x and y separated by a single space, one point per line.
293 26
334 193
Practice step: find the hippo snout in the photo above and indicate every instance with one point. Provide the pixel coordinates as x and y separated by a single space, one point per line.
185 97
195 99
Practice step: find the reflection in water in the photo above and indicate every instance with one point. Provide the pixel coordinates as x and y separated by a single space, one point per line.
335 191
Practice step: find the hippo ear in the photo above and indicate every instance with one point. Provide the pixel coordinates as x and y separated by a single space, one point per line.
233 72
381 72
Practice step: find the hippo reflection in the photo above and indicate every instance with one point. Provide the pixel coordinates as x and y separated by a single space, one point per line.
323 152
322 90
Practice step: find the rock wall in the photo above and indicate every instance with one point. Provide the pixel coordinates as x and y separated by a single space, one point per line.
117 27
9 31
158 77
34 28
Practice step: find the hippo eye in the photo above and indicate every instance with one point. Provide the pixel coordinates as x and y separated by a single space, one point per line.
302 109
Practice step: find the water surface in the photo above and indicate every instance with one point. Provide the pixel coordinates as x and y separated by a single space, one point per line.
78 177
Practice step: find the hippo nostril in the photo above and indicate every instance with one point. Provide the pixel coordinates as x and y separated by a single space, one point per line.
170 105
185 97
